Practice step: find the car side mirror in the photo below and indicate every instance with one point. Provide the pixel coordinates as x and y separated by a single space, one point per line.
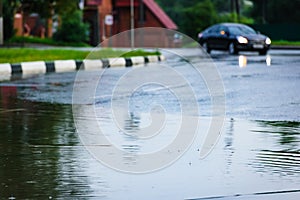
226 33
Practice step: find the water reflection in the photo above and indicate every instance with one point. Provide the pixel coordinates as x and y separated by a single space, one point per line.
284 158
283 163
39 151
243 61
286 132
41 158
229 148
131 148
132 124
268 60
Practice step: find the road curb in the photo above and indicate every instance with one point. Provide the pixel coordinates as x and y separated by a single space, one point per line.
43 67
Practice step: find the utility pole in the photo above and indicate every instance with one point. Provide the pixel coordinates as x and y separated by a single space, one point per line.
132 23
1 22
237 8
141 23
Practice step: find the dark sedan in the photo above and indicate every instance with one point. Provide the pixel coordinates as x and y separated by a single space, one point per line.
234 38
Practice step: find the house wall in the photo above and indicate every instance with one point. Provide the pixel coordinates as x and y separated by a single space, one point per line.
143 38
120 9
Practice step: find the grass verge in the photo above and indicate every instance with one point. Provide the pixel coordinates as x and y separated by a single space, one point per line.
17 55
47 41
285 43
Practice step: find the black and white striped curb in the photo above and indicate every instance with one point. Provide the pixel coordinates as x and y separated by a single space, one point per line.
42 67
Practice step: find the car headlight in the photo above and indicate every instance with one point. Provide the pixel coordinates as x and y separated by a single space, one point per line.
242 40
268 41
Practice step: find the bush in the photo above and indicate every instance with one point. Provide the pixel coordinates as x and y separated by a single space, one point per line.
72 29
47 41
232 17
199 17
8 19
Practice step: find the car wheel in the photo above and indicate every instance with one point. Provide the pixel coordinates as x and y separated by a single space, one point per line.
263 52
232 49
206 48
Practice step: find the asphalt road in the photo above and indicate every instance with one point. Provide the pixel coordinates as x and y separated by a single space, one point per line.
52 147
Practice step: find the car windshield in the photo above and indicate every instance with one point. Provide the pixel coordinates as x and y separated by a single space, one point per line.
237 30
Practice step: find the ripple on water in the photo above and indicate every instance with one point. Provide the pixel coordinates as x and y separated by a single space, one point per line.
283 156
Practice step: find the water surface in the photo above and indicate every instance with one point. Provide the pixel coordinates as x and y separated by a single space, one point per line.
256 157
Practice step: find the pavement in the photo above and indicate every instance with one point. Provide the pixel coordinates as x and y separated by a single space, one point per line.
256 157
38 67
283 47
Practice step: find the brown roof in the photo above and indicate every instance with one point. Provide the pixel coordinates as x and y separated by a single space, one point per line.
160 14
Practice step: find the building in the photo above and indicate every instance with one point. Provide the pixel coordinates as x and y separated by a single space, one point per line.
111 17
107 18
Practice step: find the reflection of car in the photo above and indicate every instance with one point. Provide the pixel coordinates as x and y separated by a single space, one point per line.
234 38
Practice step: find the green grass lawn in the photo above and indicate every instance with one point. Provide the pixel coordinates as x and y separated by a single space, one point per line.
286 43
47 41
16 55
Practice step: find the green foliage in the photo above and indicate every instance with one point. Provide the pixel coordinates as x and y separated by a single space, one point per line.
45 9
222 6
65 7
233 17
72 28
140 52
42 7
16 55
195 15
9 7
198 17
285 43
47 41
276 11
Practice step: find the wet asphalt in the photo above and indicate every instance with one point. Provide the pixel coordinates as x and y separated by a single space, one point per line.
256 156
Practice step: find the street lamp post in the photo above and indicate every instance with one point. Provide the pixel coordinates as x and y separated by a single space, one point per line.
1 22
132 23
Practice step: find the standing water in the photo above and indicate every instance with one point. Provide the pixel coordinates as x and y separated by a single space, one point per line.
256 157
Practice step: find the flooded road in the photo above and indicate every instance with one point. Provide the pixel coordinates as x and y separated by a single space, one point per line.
256 157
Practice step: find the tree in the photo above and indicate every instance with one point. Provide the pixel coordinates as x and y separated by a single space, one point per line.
47 8
199 17
72 28
9 7
283 11
68 10
276 11
223 6
42 7
194 15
